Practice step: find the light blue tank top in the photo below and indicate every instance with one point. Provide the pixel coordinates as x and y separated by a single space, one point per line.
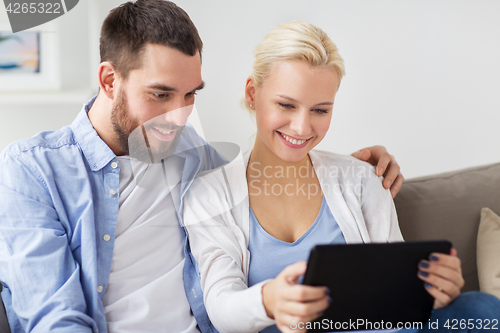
269 256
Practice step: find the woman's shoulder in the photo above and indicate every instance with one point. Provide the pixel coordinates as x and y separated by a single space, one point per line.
322 158
343 169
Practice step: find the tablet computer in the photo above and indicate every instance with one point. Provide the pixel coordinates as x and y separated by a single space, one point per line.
373 286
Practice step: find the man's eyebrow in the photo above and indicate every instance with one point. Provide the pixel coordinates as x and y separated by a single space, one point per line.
293 100
162 87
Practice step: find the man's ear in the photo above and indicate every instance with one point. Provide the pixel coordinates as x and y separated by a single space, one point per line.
107 77
250 93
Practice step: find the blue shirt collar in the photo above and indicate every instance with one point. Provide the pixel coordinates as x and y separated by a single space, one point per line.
96 151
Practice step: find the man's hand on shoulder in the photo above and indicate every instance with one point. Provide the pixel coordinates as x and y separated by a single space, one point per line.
385 164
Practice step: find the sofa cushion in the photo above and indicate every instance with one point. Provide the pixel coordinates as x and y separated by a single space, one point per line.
488 252
448 206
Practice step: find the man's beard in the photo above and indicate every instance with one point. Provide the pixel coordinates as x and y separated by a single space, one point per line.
134 139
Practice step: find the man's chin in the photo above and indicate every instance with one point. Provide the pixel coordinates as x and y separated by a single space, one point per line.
150 155
155 153
162 153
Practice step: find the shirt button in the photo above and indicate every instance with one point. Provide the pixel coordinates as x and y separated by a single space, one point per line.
107 237
112 192
99 289
114 165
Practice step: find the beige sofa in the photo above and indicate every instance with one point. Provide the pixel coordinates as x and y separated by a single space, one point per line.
448 206
444 206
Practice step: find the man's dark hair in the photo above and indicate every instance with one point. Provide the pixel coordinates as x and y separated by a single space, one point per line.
128 28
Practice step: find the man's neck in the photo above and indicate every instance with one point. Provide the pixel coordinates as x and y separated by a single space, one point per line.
100 118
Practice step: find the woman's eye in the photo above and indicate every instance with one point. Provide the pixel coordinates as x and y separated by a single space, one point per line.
321 111
286 106
161 95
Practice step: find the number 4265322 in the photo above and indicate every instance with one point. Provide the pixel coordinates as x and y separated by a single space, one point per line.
485 324
33 7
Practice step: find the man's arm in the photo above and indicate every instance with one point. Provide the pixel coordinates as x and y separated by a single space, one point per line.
385 164
37 265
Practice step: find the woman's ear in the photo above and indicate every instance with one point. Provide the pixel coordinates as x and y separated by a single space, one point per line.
107 77
250 93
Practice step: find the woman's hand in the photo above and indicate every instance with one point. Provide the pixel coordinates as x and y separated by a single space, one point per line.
442 274
290 303
386 166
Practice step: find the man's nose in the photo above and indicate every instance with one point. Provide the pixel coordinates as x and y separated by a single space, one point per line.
179 116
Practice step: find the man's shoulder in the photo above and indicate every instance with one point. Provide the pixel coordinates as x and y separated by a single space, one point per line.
47 140
44 145
38 159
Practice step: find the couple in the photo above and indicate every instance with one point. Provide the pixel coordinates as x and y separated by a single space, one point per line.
91 236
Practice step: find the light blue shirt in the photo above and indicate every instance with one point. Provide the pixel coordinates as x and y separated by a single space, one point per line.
60 195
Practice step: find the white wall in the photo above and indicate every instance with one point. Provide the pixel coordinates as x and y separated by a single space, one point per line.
423 76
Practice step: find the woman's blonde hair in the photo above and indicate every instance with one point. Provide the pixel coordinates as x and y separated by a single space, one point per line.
296 40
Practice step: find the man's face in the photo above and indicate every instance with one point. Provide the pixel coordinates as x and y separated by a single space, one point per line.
152 105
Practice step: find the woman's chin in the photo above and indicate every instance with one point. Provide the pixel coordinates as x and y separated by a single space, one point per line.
292 156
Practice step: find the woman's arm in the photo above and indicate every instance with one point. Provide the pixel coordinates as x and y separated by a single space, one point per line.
215 222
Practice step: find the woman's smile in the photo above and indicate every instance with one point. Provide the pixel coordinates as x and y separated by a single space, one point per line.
293 142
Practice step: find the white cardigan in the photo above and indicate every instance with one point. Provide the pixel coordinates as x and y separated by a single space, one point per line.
216 216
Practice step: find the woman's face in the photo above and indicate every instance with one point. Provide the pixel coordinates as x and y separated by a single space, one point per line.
293 108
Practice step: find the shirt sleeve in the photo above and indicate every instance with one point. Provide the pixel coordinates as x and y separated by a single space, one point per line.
36 262
219 245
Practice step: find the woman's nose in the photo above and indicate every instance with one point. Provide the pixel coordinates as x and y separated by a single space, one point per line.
301 123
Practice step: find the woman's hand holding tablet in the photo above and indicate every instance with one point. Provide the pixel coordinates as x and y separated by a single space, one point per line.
287 302
442 274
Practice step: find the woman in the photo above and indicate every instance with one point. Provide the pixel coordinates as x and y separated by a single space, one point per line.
284 198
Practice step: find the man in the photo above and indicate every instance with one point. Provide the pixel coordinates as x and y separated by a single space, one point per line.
91 239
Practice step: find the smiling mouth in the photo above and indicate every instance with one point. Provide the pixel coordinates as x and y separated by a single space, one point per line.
164 132
293 141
